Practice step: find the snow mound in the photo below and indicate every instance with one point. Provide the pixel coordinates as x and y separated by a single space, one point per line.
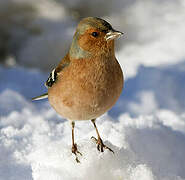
35 143
147 147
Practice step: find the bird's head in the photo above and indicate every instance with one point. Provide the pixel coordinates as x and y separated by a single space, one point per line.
93 37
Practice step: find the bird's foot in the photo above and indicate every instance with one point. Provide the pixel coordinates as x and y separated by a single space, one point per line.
100 145
76 152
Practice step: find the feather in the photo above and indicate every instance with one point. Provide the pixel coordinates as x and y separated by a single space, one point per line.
53 75
51 79
43 96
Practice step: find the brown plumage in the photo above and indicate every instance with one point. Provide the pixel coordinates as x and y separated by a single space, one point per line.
88 81
87 88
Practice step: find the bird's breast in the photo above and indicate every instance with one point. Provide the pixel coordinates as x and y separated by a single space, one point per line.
87 88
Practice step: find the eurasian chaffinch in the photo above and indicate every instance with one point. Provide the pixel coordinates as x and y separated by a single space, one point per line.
88 80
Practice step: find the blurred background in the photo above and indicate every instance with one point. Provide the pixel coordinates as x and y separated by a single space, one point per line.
147 124
36 34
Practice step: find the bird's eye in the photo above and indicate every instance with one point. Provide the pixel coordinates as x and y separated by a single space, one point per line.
94 34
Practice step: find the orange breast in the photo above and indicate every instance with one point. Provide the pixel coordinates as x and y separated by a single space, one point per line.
86 89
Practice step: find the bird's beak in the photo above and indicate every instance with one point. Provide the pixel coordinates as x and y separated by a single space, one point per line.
113 34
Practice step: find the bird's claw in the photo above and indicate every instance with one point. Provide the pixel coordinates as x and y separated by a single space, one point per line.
100 145
76 152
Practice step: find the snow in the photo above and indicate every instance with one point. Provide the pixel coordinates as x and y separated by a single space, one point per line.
36 143
146 127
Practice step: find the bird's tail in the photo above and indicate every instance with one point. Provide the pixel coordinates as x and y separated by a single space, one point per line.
43 96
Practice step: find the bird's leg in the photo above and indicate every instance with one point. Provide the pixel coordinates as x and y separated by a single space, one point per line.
99 142
74 145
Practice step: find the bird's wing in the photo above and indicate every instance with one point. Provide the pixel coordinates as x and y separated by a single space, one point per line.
53 75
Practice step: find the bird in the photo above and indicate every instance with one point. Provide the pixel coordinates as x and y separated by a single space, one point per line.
89 80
